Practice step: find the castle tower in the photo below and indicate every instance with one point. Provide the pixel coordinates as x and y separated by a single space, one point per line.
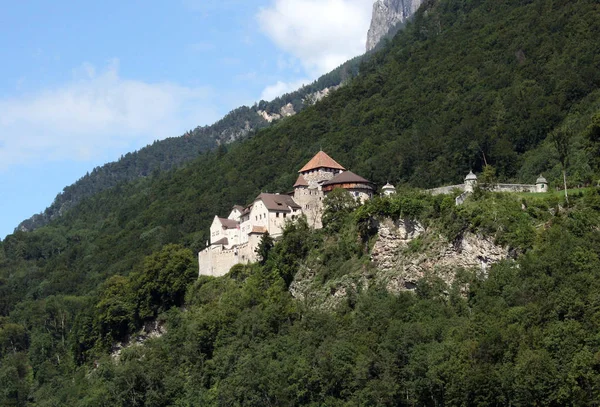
308 191
388 189
470 182
320 168
541 185
360 188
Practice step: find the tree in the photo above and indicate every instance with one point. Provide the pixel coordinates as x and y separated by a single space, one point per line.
13 338
592 135
115 310
337 205
264 247
163 280
561 139
488 180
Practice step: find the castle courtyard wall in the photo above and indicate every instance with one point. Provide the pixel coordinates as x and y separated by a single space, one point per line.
216 261
515 188
446 190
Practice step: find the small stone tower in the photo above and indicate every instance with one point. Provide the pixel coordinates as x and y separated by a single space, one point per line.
541 185
470 182
388 189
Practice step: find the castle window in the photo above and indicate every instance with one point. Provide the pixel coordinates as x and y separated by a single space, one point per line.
277 215
284 215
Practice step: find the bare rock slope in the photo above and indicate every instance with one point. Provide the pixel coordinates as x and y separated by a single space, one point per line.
404 253
387 14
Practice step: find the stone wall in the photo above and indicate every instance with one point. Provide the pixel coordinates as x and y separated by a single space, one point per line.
461 198
321 174
311 202
468 188
515 188
446 190
216 261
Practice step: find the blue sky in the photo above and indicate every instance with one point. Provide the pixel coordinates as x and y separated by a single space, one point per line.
83 82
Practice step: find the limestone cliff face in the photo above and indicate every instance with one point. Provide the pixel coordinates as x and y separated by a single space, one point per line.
404 253
386 15
400 266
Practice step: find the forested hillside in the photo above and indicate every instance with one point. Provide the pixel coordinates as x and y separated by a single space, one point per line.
465 84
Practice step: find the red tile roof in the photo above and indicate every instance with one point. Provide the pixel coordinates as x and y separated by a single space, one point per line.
321 160
300 182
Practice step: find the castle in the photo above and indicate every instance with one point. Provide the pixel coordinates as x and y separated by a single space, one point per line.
235 239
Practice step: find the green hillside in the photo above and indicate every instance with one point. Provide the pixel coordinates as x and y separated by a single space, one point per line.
466 83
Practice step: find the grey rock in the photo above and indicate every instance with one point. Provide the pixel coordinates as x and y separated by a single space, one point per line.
387 14
402 268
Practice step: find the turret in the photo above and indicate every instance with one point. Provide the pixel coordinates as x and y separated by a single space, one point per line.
541 185
388 189
470 182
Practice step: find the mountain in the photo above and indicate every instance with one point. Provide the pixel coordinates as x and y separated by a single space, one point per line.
102 305
388 16
173 152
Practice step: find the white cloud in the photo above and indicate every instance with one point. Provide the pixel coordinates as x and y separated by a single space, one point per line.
280 88
322 34
95 113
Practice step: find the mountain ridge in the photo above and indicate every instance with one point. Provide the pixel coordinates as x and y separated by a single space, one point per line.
173 152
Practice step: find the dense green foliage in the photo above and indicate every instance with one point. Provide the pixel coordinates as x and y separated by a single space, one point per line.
523 335
422 112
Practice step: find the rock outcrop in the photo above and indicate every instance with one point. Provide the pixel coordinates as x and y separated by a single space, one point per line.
285 111
151 330
404 253
387 14
315 97
402 263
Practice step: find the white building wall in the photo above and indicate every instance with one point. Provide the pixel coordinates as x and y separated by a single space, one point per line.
259 215
245 229
277 221
235 215
216 230
233 237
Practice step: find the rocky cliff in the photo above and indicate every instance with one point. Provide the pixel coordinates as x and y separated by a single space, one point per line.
388 14
404 253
